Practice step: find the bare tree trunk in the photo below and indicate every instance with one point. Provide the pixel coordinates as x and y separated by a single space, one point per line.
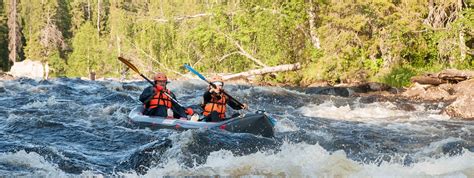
88 10
280 68
14 35
431 9
462 45
462 41
98 17
312 28
46 70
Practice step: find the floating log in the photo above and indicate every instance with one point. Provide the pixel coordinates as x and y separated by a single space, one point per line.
265 70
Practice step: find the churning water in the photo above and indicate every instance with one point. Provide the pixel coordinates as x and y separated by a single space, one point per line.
67 127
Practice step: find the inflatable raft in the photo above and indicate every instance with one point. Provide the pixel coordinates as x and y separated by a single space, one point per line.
256 123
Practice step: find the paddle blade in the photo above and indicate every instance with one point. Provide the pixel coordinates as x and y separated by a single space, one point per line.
130 65
195 72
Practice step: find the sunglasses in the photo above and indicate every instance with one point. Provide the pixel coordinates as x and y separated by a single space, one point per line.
161 81
218 83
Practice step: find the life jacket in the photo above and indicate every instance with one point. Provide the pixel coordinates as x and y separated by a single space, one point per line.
160 99
216 105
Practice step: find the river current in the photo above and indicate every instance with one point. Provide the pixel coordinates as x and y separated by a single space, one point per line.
71 127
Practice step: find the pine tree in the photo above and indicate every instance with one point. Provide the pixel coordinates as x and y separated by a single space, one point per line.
4 62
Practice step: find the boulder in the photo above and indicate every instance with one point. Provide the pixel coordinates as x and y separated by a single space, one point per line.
428 92
464 88
435 94
5 76
29 69
415 91
374 86
462 108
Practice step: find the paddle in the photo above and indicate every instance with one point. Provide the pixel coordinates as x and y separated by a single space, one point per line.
214 86
131 66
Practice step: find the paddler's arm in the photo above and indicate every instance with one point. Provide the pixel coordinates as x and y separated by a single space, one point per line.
147 94
178 111
206 98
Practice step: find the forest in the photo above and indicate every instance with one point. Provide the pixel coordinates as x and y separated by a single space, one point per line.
336 41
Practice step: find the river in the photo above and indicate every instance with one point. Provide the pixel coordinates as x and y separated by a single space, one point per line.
70 127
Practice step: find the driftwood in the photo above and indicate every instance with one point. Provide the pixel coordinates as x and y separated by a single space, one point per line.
265 70
455 75
445 76
427 80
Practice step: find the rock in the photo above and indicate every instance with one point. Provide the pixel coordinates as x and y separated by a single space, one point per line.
448 87
435 94
464 88
427 92
406 107
462 108
336 91
6 76
131 87
415 91
374 86
29 69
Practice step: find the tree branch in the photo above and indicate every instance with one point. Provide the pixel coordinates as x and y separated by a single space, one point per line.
177 19
227 55
243 52
280 68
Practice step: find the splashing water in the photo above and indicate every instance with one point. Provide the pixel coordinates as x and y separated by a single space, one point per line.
65 127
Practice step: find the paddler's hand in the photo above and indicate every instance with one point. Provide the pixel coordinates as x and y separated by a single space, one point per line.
189 111
245 106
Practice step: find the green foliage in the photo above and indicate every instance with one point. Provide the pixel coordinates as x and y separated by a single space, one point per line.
86 55
360 40
4 62
57 66
399 76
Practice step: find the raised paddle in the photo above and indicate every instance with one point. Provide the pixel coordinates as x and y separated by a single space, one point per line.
214 86
131 66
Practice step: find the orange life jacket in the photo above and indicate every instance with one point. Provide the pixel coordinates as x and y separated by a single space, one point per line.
160 99
216 105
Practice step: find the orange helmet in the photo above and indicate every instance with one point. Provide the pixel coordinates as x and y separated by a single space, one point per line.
217 80
160 77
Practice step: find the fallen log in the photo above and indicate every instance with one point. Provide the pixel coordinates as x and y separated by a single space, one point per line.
427 80
265 70
454 75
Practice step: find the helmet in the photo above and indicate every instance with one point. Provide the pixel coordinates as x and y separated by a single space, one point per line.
217 80
160 77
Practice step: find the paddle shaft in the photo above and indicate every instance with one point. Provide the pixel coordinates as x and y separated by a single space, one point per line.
213 85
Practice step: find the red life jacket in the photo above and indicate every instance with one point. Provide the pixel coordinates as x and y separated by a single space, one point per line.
160 99
216 105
